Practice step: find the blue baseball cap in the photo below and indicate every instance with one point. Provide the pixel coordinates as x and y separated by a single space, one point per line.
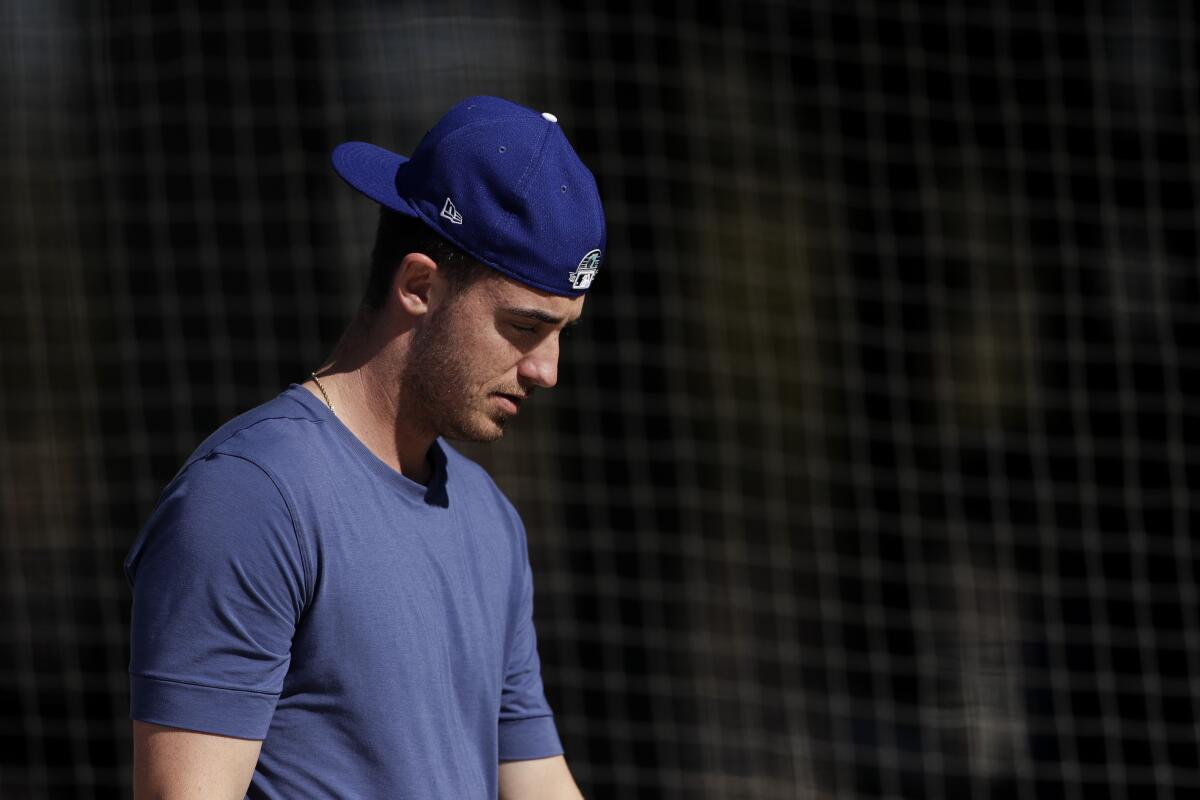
500 182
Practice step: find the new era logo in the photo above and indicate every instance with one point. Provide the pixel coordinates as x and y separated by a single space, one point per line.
451 213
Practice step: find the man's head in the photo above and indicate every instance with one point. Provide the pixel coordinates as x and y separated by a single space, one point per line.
489 237
479 343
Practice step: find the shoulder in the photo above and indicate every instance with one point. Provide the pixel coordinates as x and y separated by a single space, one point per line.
283 439
220 518
278 431
233 491
227 511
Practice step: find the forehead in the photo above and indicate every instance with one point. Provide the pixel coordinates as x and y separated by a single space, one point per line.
501 292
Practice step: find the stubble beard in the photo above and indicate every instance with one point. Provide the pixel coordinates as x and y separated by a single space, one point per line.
438 384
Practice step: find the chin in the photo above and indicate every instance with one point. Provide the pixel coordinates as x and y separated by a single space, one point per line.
487 429
493 434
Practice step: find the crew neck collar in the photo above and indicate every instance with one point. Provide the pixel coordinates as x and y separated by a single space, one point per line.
432 493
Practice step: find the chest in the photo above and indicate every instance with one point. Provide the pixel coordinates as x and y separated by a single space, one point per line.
410 603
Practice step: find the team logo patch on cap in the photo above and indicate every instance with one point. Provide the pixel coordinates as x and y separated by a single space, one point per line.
585 273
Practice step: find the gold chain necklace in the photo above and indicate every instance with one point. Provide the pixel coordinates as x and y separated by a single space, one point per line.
328 402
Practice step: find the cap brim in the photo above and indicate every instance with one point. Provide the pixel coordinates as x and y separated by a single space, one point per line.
372 171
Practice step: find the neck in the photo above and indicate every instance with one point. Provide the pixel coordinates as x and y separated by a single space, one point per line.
363 378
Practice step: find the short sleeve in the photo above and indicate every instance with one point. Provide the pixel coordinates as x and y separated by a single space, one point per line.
527 729
218 588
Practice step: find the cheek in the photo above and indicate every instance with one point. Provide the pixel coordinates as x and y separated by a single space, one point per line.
482 362
493 352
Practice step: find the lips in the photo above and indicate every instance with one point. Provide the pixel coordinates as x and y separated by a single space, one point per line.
511 402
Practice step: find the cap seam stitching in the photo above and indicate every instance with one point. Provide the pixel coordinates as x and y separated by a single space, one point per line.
470 126
525 176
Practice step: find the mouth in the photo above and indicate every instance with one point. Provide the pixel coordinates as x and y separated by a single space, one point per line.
510 402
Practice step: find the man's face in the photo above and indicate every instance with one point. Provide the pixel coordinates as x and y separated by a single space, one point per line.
479 355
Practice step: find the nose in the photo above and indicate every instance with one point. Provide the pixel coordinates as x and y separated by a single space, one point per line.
540 365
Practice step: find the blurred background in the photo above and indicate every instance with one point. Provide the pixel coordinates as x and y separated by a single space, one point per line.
871 468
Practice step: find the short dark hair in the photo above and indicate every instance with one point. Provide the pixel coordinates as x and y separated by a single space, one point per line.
397 236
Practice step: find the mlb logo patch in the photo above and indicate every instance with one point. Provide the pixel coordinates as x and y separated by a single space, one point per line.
585 273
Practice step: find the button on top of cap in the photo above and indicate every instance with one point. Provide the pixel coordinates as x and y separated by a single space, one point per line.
546 115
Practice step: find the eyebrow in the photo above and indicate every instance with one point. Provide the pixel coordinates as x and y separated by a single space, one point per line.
540 316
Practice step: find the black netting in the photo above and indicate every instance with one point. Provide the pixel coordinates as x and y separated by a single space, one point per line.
869 473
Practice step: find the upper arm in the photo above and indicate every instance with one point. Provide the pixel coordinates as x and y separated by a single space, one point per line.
175 764
218 587
538 779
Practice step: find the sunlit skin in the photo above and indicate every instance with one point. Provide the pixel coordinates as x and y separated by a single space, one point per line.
432 364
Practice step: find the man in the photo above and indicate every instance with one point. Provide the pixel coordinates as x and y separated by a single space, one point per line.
330 601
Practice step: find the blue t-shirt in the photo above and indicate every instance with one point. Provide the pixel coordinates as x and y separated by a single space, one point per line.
375 633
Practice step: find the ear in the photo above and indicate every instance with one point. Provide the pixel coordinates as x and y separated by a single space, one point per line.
413 283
